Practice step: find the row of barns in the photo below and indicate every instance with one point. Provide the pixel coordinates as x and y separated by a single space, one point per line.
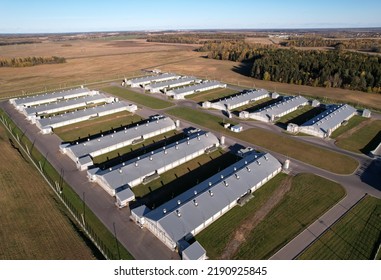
321 125
173 85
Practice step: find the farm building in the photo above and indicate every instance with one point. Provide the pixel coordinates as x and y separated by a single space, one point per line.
194 252
326 122
157 87
235 101
142 81
287 105
376 153
184 216
83 153
34 100
236 128
64 105
180 93
47 125
149 166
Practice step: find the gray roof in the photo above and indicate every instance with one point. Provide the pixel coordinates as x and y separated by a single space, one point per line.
147 164
127 135
91 112
248 96
125 194
212 195
49 97
66 103
197 87
172 83
278 108
194 252
330 118
153 78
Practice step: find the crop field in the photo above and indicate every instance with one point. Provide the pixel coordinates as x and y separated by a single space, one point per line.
34 225
319 157
141 98
352 123
91 61
363 140
357 236
99 125
211 94
183 177
308 197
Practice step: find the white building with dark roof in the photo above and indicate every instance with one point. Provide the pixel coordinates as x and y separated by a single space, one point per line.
33 100
279 109
143 81
184 216
180 93
328 121
238 100
46 125
149 166
157 87
84 153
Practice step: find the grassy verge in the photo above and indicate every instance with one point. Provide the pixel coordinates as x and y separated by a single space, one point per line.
353 122
96 228
310 196
283 144
363 140
140 98
356 236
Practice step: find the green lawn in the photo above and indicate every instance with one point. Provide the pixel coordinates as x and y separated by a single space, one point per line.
211 94
140 98
215 237
287 118
363 140
356 236
283 144
353 122
309 198
183 177
98 125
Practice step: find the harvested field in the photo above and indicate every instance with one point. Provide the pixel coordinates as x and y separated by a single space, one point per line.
34 225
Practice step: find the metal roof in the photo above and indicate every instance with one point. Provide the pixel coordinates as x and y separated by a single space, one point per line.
94 111
153 78
196 87
125 194
208 198
278 108
194 251
61 105
171 83
247 96
43 98
147 164
330 118
137 131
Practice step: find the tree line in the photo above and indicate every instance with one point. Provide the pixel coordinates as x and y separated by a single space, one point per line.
338 69
194 38
30 61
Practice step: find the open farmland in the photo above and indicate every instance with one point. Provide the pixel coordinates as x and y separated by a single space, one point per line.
95 60
33 224
355 237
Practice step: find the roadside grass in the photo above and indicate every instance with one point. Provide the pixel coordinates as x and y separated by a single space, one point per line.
216 236
141 98
34 225
356 236
309 198
353 122
130 148
211 94
101 234
283 144
183 177
95 126
363 140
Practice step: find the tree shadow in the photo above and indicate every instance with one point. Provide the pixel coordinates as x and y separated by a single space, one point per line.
244 68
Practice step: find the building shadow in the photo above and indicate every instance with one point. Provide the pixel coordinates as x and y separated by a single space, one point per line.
372 174
372 144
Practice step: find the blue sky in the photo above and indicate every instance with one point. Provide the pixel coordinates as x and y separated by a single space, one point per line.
115 15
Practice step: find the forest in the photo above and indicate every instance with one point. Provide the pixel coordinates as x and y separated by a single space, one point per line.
333 68
194 38
30 61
